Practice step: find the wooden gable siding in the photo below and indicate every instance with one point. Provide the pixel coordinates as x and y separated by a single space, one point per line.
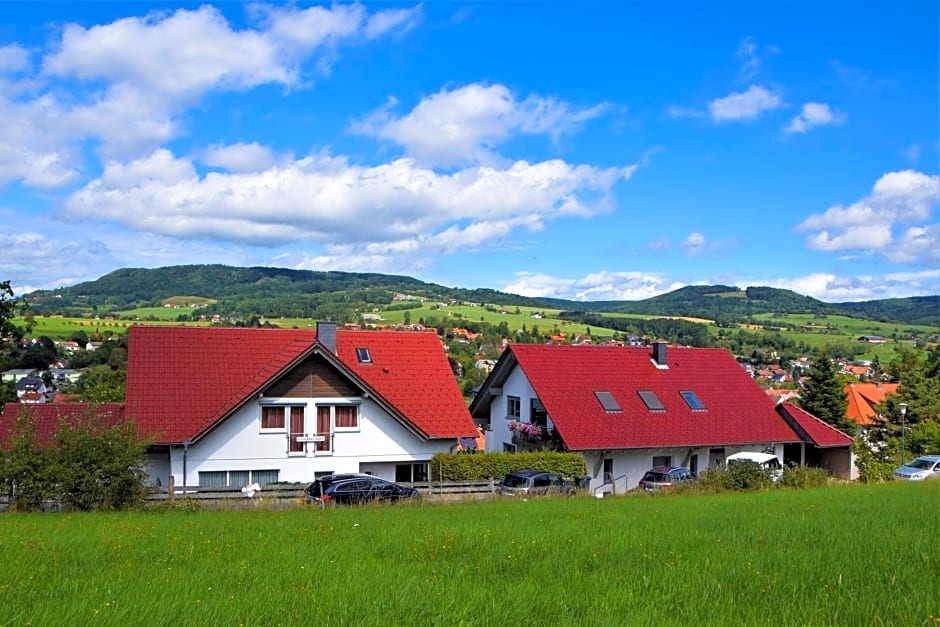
313 377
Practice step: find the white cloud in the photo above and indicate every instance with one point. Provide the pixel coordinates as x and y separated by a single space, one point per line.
842 288
398 21
240 157
465 124
325 199
904 197
911 153
675 111
750 61
747 105
130 80
812 115
694 244
13 58
601 285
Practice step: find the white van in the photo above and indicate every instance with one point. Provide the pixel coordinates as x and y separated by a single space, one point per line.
767 461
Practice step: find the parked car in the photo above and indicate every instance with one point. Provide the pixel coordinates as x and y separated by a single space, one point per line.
353 488
927 467
766 461
665 478
530 482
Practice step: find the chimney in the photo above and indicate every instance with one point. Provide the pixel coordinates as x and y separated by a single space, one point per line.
659 352
326 335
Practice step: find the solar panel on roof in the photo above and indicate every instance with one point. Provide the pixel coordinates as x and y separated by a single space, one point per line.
607 401
652 401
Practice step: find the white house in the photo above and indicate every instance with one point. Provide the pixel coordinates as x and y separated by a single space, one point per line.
231 406
627 409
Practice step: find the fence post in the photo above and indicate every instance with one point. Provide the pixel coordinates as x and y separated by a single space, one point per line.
170 487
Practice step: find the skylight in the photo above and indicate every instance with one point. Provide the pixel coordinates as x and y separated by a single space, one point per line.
607 401
652 401
693 401
365 357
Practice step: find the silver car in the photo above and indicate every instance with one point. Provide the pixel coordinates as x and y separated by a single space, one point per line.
927 467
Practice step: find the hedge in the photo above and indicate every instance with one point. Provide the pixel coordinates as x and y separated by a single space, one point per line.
479 466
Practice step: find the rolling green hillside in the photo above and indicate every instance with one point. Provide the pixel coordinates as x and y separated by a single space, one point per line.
280 292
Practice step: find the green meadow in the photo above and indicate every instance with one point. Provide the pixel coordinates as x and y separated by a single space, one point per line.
845 555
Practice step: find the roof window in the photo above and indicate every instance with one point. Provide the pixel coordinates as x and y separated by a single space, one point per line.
692 401
607 401
652 401
365 357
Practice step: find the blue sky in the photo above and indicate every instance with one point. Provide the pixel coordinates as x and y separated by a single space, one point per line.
590 151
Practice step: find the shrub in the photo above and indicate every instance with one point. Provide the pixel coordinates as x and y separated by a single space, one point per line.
463 467
803 477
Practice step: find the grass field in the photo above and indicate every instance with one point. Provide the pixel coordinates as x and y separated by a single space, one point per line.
848 555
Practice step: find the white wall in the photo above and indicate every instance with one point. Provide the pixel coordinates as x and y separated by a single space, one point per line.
238 444
515 385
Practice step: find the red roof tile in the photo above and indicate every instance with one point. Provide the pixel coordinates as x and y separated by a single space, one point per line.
48 416
565 379
182 381
819 432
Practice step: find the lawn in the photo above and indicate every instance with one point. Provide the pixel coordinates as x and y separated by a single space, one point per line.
848 555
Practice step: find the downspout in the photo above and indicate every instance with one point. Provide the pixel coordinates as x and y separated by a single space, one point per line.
185 450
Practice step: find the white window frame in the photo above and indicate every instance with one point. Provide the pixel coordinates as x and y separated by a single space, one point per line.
284 406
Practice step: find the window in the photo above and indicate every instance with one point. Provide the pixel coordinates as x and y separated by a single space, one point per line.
692 401
347 416
236 478
411 473
323 428
364 356
662 460
608 470
537 413
607 401
652 401
296 443
272 418
513 407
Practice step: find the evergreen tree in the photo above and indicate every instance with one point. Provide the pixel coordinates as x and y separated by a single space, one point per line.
824 394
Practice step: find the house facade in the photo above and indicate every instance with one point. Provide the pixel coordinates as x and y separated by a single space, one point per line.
627 409
230 406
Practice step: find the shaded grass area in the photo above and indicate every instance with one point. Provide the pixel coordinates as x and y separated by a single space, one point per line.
835 556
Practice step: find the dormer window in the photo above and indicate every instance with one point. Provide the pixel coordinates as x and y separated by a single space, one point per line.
607 401
364 356
652 401
693 401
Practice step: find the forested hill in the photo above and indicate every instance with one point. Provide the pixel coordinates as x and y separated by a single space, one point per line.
281 292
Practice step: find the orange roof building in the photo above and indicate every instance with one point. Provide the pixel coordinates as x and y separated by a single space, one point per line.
863 398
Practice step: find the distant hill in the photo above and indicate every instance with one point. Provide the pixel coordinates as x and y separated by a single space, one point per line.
280 292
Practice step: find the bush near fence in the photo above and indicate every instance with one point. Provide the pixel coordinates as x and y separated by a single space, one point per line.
479 466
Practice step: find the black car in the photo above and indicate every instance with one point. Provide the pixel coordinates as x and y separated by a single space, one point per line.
533 482
353 488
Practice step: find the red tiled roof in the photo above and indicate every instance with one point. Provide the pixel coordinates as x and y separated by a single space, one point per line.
182 381
819 432
862 399
47 416
565 379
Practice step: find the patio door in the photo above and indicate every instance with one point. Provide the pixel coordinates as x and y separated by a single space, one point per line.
295 444
324 420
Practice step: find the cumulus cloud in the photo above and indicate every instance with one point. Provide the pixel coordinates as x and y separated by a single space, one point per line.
603 285
465 124
694 244
239 157
844 288
746 105
326 199
131 79
812 115
897 198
